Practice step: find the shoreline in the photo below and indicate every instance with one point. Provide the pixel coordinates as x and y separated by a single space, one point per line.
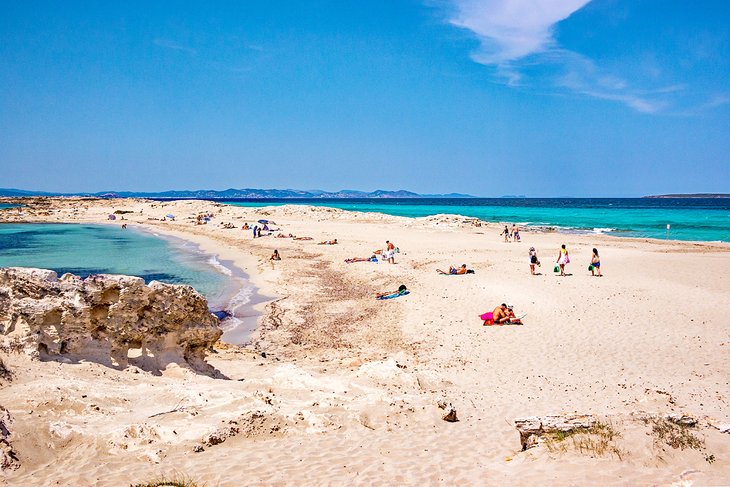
244 315
529 227
540 227
338 387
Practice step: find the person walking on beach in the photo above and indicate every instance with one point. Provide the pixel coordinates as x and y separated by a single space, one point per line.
563 259
533 260
595 264
505 232
515 233
254 228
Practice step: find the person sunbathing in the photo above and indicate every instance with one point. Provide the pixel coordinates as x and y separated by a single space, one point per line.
275 255
505 315
373 258
303 238
329 242
281 235
402 289
455 271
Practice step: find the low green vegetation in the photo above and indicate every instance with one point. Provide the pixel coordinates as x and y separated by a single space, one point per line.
599 440
675 435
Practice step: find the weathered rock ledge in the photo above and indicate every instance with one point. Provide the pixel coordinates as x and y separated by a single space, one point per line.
104 317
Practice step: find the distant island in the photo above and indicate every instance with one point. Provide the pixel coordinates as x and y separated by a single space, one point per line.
690 195
247 193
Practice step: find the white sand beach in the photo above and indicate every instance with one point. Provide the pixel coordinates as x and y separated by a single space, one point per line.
336 387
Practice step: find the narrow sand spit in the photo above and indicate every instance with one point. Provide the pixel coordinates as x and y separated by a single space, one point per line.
336 387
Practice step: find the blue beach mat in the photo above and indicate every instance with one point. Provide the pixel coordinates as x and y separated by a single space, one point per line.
394 295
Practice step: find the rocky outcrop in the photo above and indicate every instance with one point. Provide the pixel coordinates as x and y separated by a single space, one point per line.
104 317
8 457
533 428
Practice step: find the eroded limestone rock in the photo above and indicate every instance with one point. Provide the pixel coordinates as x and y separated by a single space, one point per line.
533 428
103 317
8 458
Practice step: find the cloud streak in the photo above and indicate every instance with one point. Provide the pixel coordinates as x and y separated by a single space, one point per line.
168 44
516 37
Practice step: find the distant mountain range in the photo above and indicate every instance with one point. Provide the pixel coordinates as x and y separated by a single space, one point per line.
240 193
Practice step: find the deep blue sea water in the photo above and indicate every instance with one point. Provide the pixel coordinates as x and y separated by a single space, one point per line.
701 219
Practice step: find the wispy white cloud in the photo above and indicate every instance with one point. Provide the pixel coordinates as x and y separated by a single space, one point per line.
168 44
517 36
509 30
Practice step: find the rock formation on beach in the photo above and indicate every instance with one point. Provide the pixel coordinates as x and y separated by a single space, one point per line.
103 317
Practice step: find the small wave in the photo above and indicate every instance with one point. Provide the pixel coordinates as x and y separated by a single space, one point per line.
214 262
604 230
240 299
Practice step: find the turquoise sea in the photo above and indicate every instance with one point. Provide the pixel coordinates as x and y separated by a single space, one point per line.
699 219
108 249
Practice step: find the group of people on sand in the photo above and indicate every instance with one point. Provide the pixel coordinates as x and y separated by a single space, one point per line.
564 259
386 254
503 314
513 233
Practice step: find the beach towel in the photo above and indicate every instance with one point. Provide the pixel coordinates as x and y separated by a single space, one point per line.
488 318
394 295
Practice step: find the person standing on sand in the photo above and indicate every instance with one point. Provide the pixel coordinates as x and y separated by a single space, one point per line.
563 259
515 233
533 260
390 252
595 264
505 233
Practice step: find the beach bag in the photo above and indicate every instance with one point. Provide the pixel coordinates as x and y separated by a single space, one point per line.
567 259
590 267
556 268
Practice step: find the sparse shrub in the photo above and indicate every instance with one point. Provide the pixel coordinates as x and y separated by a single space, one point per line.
675 435
598 440
177 481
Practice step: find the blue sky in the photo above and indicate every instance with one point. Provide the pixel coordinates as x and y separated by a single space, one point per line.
487 97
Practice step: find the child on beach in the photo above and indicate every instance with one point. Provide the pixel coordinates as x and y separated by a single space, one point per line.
533 260
563 259
505 232
595 264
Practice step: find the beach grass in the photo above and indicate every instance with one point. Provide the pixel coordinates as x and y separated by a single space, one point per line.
598 440
176 481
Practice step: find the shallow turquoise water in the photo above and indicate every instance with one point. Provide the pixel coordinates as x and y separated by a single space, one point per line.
107 249
689 219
